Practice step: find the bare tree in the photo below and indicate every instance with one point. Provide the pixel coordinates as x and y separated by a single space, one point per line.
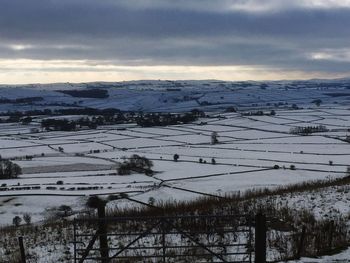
214 137
27 218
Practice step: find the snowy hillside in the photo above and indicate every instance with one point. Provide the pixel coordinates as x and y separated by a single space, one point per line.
177 96
268 136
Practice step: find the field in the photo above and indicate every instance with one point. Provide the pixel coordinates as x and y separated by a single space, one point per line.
280 146
247 155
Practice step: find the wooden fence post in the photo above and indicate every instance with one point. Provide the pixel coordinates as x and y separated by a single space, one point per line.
163 239
260 238
75 239
331 235
102 226
301 242
21 248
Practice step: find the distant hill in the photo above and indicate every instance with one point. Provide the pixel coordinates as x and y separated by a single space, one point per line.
175 96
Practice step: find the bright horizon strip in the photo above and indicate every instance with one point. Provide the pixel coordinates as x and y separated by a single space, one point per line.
27 71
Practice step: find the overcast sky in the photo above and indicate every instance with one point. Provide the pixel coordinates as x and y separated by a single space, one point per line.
113 40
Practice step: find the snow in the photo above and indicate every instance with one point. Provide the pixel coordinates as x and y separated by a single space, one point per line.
342 257
248 148
165 96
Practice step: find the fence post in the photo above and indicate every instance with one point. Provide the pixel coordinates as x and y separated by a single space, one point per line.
331 234
102 226
163 239
21 248
301 242
75 240
260 238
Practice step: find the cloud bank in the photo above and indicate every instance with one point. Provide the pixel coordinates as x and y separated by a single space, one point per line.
125 39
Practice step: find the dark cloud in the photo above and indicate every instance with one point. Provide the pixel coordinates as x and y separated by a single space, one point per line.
186 33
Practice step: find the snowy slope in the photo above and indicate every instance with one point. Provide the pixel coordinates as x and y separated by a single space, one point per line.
180 96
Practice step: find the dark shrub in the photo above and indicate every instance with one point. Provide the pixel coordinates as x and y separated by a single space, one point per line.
95 202
137 164
16 220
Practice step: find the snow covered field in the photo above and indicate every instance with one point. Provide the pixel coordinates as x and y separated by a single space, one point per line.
170 96
253 152
249 147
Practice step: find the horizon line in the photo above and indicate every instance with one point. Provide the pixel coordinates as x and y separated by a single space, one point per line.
175 80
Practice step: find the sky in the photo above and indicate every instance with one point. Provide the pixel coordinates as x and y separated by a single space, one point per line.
43 41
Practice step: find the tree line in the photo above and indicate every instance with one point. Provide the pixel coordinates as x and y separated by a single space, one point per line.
9 170
308 129
165 119
111 118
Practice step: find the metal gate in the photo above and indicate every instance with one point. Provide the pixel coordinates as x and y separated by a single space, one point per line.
188 238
